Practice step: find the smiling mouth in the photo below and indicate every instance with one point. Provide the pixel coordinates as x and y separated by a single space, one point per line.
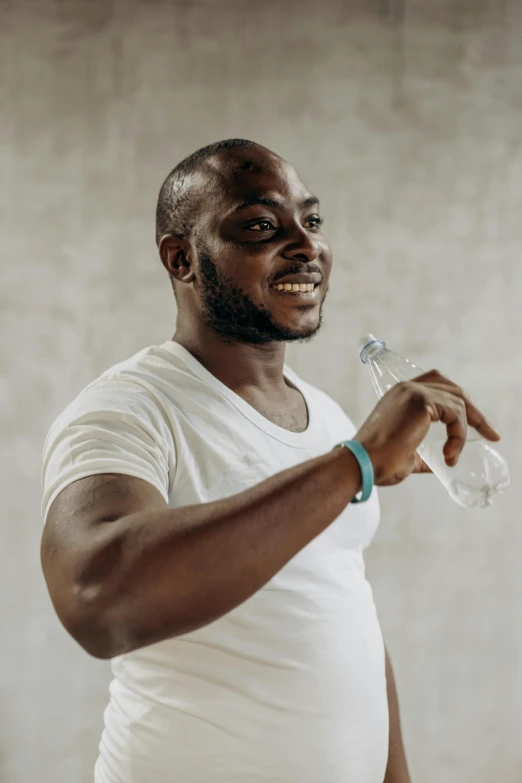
295 288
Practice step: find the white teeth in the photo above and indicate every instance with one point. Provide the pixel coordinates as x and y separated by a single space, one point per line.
298 288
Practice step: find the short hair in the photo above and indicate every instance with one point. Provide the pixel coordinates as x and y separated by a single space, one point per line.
174 211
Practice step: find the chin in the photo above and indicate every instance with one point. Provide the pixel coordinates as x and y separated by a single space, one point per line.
299 332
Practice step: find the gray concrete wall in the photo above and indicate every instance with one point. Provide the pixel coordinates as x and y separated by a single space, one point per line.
409 128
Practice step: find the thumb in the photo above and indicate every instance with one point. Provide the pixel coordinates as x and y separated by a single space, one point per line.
420 465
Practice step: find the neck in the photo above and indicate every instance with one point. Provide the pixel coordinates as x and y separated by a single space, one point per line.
236 364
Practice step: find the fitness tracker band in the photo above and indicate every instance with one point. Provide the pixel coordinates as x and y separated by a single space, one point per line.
365 464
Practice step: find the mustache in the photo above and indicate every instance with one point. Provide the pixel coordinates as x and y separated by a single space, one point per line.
297 269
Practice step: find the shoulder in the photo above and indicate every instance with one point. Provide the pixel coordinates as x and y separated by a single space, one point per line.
116 424
127 391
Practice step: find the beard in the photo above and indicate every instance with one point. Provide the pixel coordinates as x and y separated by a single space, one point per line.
233 314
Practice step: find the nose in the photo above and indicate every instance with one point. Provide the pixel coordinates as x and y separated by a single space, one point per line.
302 246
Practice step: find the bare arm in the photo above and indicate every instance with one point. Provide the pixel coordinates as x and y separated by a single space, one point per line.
125 571
397 769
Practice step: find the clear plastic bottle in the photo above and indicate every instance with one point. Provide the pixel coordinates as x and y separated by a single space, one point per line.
480 473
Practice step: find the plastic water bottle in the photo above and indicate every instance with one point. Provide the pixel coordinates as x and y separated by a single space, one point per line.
480 473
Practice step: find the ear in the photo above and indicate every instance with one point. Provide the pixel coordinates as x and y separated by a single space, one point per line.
177 257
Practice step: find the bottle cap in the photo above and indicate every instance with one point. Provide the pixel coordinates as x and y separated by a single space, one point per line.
365 343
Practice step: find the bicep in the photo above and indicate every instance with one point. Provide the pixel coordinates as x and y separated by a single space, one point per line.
103 498
78 528
108 455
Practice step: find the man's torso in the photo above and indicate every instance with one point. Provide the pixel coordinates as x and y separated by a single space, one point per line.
290 686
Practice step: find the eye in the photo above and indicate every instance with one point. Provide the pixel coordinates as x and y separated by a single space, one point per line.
261 225
315 221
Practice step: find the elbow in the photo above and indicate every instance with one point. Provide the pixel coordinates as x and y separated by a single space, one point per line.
108 627
87 594
97 648
93 612
93 623
95 637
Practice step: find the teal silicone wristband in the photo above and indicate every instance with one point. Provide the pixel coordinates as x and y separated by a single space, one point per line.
365 464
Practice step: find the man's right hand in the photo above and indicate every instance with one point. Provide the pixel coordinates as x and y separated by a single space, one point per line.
399 423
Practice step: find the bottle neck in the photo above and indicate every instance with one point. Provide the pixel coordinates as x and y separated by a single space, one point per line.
372 351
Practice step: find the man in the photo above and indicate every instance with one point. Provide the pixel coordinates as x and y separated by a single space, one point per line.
200 529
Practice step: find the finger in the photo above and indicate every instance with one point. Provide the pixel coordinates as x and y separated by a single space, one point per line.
476 418
451 411
420 465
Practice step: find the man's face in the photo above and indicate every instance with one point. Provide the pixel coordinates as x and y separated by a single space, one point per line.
259 236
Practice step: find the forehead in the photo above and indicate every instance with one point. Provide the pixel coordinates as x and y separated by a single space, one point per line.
254 173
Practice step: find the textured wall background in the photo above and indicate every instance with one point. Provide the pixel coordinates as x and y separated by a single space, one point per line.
407 122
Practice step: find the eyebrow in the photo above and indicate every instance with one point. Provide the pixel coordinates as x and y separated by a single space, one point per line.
310 201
